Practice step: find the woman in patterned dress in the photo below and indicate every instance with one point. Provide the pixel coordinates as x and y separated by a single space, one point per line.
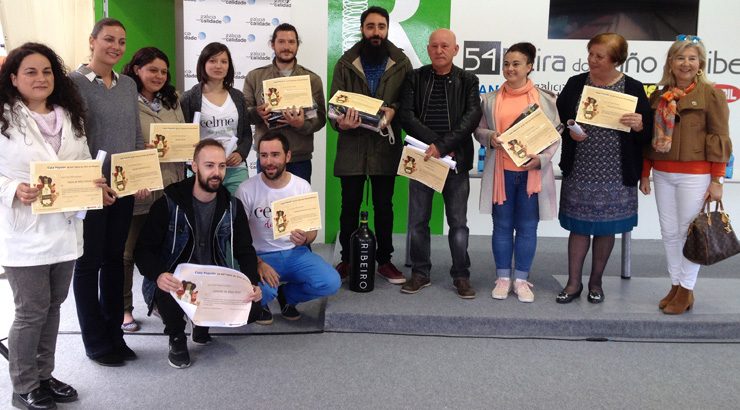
600 168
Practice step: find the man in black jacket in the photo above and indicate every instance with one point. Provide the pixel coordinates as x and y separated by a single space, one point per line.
440 105
195 221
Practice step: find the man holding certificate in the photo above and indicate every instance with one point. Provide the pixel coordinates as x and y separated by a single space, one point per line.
286 259
299 128
376 65
440 106
196 221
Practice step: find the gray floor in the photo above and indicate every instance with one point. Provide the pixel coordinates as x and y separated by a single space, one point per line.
359 370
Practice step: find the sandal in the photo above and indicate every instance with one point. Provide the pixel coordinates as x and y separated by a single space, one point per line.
131 327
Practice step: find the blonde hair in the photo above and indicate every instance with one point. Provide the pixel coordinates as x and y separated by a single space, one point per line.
678 47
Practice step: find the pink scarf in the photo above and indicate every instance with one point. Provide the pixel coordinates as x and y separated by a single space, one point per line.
534 182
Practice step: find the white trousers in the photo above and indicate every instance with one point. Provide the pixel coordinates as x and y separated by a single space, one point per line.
679 198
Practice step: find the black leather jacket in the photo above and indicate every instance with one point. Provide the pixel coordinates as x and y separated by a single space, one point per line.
463 107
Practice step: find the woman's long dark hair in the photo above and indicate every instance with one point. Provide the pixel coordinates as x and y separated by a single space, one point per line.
143 57
65 92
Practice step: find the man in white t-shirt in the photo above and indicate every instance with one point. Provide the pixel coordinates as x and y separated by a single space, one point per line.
288 260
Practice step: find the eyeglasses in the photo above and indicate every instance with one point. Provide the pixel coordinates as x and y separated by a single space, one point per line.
688 37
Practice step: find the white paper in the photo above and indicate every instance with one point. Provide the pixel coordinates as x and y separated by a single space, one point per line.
414 143
575 127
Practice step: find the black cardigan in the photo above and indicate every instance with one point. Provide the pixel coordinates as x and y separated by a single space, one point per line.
631 143
192 100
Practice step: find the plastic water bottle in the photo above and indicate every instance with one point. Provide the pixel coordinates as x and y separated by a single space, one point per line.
362 257
730 163
481 158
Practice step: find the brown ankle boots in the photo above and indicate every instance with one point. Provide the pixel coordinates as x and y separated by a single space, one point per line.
667 299
681 302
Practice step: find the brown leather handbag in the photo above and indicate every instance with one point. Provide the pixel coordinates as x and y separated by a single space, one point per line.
711 238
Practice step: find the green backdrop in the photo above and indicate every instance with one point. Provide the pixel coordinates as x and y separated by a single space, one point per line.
430 15
148 23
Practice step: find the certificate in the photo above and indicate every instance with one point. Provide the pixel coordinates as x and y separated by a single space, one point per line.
135 170
66 186
296 212
432 173
174 142
288 92
213 295
604 108
531 135
359 102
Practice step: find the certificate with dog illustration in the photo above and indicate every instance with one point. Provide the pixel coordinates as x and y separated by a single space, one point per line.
432 173
213 295
135 170
296 212
530 135
174 142
604 108
66 186
283 93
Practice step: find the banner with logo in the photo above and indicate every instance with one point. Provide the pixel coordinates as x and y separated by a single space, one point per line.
485 29
244 26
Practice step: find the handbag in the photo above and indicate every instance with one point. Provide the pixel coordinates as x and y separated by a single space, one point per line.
710 238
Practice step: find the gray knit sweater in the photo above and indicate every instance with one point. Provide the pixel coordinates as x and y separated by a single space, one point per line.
111 116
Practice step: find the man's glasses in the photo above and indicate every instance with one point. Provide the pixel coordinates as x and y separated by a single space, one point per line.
688 37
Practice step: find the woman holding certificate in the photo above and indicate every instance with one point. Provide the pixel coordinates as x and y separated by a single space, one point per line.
41 120
158 103
111 125
688 155
222 109
517 197
601 166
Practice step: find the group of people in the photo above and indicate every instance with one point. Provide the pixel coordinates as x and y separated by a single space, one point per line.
219 216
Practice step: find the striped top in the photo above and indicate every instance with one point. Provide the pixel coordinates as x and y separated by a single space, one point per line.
436 115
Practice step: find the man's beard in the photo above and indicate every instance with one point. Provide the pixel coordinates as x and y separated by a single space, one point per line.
373 54
204 183
278 172
284 61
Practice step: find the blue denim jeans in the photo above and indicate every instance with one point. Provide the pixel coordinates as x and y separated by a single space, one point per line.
306 276
455 195
520 213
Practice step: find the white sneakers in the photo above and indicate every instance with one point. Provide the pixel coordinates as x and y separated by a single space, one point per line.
523 291
521 288
502 289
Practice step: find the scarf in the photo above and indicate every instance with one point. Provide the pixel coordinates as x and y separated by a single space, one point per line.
534 182
51 126
665 117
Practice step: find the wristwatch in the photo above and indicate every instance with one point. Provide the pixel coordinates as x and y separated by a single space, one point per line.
718 180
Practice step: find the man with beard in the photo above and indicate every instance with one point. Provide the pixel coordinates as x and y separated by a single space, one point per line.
299 129
287 260
374 67
440 105
195 221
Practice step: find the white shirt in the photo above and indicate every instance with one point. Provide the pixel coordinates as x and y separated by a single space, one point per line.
256 197
219 123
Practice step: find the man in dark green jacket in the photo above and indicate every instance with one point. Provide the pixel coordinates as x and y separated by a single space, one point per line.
376 68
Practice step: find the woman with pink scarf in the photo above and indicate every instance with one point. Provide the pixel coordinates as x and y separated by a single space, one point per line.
517 197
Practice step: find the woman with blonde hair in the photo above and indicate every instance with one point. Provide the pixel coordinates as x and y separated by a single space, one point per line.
689 152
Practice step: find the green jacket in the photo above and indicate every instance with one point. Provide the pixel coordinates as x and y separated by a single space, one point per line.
361 151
